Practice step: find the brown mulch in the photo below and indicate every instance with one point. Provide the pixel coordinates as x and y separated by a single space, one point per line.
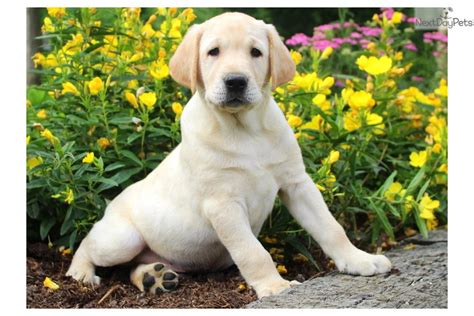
213 290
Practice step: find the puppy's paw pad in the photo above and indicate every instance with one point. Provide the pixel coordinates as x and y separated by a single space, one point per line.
157 278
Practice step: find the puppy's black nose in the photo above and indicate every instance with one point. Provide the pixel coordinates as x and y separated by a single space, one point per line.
235 83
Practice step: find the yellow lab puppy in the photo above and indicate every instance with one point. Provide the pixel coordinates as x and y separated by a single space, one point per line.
203 206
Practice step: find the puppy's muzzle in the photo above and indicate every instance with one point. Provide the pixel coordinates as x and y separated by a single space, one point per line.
236 86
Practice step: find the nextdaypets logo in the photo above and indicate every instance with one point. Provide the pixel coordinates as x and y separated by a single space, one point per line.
442 20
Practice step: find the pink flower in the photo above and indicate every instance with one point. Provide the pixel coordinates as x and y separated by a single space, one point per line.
388 12
412 19
322 44
339 83
436 36
370 31
356 35
298 39
410 46
417 78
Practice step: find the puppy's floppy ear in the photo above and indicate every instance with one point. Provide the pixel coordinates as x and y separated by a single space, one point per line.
282 67
184 65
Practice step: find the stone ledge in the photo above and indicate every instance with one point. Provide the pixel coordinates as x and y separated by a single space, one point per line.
419 280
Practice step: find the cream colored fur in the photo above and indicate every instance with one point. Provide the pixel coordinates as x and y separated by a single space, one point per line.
203 206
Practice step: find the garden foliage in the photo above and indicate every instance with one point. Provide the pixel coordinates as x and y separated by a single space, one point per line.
368 106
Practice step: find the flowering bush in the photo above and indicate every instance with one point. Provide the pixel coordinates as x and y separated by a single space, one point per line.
372 130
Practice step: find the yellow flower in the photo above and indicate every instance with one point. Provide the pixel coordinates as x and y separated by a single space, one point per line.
69 88
437 148
57 12
326 52
304 81
131 99
47 25
96 86
294 120
159 70
374 65
50 61
38 59
147 31
442 90
427 207
397 17
296 56
319 99
28 137
69 196
315 124
148 99
394 190
89 158
189 15
270 240
34 162
351 121
332 158
281 269
418 159
103 142
443 168
66 251
46 133
300 258
346 93
132 84
42 114
50 284
360 99
375 120
177 108
280 90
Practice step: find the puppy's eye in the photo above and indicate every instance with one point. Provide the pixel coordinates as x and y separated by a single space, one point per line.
213 52
255 52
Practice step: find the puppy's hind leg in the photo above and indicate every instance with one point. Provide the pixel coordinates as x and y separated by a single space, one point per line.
113 240
154 278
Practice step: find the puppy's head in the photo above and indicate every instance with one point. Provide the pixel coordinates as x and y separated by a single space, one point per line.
232 59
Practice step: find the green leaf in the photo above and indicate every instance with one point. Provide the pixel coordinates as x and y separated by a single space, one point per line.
108 181
415 182
119 178
128 154
33 210
37 183
133 137
72 239
114 166
393 210
388 182
36 96
420 223
382 218
304 251
423 190
46 225
68 222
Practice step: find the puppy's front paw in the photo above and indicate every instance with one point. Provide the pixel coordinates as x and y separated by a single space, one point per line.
83 273
274 287
362 263
154 278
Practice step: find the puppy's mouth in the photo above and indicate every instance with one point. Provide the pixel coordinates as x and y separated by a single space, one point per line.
235 102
